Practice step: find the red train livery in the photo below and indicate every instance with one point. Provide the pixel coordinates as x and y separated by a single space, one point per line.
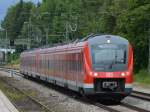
100 65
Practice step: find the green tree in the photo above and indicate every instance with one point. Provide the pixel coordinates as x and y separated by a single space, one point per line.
15 18
134 25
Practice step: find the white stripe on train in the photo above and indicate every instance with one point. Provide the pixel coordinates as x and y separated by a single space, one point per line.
69 82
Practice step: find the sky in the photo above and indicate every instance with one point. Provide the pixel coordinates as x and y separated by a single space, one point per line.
5 4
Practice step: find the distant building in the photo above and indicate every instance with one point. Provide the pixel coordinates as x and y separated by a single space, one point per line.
3 54
7 50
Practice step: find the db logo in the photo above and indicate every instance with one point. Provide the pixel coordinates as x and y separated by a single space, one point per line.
109 74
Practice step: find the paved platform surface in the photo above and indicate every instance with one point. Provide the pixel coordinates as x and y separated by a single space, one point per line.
5 104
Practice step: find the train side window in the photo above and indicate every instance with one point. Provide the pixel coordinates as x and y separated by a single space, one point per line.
60 63
67 62
48 63
47 58
40 62
57 64
74 62
79 62
54 66
43 62
71 63
64 64
51 64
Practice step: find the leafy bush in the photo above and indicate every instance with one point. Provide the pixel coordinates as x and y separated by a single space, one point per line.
142 77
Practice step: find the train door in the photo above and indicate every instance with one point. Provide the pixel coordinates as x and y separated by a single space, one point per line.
46 65
75 68
79 75
66 72
61 74
37 63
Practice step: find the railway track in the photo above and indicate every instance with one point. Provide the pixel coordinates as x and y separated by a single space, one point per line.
46 109
95 103
136 94
141 95
133 107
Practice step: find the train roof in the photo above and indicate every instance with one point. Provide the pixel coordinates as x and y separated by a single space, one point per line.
91 39
103 39
56 48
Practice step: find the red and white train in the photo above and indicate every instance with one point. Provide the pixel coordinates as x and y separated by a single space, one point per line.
100 65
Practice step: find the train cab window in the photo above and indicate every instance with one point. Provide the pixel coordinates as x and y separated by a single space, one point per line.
109 57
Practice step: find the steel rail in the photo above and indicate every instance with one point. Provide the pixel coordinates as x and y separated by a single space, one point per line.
134 107
141 95
30 97
95 103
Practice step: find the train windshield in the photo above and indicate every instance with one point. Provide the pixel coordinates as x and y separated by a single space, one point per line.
109 57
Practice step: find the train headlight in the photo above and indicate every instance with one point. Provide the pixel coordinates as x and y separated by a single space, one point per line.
108 41
95 74
123 74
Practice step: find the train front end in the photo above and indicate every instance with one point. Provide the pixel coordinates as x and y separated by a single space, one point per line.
108 67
